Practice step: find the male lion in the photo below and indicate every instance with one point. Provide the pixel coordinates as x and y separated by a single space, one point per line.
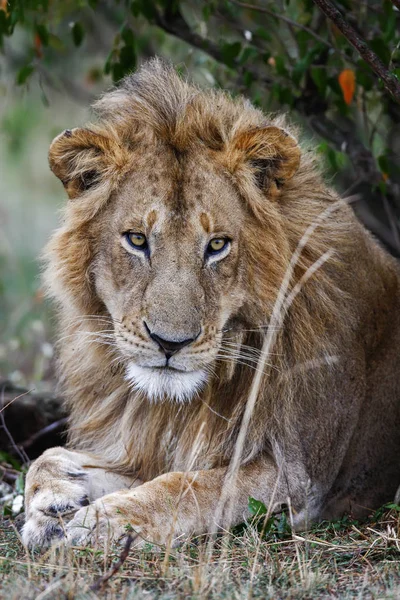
196 228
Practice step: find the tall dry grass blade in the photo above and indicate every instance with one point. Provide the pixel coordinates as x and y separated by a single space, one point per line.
284 298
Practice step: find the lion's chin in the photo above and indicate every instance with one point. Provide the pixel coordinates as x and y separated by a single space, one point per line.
164 383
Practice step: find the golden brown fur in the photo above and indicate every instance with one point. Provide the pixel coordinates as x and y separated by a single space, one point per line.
330 390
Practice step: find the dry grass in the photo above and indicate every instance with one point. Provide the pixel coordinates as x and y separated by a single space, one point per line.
341 559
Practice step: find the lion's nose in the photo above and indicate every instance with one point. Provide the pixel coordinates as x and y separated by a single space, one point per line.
169 347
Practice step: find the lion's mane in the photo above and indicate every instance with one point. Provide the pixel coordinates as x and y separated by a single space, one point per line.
120 425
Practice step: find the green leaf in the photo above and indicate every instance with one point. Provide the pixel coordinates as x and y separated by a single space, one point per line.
127 58
280 66
3 23
392 506
256 507
382 187
43 34
248 53
5 457
207 11
336 160
127 36
283 526
230 52
24 73
144 7
383 163
387 21
285 96
78 33
364 77
117 72
263 34
333 83
303 40
381 49
56 43
299 70
248 78
320 78
172 6
135 9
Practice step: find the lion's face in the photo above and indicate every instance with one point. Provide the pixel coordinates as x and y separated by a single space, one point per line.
173 225
168 267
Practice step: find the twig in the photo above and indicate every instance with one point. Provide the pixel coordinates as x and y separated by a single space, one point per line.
101 581
3 408
8 475
390 81
291 22
174 24
19 451
48 429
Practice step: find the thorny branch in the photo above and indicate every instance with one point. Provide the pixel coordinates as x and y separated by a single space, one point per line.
390 81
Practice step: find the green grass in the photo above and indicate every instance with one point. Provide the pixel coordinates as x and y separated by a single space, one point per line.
342 559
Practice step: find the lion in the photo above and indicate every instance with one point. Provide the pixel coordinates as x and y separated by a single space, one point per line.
196 227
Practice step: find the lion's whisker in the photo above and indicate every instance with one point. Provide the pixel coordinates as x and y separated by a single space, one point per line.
251 349
240 354
238 361
87 334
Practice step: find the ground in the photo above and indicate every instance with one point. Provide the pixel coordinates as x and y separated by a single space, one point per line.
342 559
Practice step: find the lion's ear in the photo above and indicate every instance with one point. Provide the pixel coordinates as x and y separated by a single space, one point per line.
272 154
81 158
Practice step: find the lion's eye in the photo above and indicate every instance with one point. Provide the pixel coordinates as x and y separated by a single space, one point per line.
136 240
217 245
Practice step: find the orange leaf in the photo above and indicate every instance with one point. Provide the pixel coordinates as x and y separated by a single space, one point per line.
38 46
347 82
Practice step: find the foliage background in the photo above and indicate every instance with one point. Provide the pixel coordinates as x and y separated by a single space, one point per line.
56 56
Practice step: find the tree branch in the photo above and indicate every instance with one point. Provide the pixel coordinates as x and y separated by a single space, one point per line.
174 24
390 81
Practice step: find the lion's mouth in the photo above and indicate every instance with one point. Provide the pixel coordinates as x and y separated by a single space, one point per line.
166 368
162 383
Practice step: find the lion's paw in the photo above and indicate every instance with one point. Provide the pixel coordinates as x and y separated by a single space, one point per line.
55 490
102 524
49 513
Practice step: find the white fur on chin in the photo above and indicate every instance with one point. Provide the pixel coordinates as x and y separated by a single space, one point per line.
161 384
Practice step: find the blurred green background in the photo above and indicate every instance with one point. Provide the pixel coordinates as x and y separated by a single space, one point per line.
57 56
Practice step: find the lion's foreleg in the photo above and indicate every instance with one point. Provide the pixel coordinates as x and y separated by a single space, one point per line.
57 485
176 505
